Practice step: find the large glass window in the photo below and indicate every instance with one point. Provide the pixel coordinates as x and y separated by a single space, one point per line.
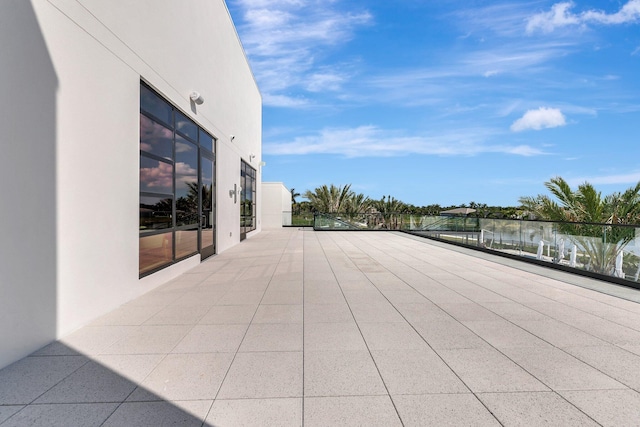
248 198
171 205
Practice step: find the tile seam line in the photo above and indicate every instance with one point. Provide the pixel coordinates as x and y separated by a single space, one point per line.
492 346
414 329
523 267
235 354
520 327
395 408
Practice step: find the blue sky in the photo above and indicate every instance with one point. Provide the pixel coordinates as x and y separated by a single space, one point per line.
446 101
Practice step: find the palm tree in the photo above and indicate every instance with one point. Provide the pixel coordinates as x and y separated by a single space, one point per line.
330 199
581 214
294 194
390 207
357 204
295 208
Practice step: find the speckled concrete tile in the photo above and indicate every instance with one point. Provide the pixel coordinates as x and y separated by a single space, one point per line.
28 378
66 415
350 411
533 409
454 410
263 375
212 339
152 414
608 407
184 377
341 373
256 412
416 372
486 370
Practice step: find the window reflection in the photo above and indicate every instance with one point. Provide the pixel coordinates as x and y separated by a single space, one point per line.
186 242
155 251
155 176
247 207
155 213
186 182
206 140
155 138
186 126
156 106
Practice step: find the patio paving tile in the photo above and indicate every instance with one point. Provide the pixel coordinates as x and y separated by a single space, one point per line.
27 379
273 337
150 339
503 334
90 340
255 412
152 414
184 377
228 315
608 407
333 336
327 313
533 409
452 410
72 414
391 336
416 372
614 361
559 370
263 375
212 339
448 334
93 382
486 370
277 313
341 373
350 411
8 411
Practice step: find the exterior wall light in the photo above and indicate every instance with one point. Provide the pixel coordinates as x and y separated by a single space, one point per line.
251 157
196 97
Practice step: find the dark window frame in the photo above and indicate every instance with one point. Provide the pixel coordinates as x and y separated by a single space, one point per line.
205 150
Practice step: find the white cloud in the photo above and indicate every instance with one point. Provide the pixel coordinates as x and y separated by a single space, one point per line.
285 41
541 118
319 82
372 141
560 15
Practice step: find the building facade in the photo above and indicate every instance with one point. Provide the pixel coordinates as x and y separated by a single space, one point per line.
132 141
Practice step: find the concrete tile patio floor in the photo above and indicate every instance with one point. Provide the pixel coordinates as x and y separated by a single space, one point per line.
296 327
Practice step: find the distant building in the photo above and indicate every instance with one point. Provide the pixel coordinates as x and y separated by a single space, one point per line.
458 212
131 149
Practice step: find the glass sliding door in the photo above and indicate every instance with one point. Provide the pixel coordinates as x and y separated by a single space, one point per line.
247 199
207 208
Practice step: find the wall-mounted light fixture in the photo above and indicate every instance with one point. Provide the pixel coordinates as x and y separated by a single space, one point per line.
196 97
232 137
251 157
235 192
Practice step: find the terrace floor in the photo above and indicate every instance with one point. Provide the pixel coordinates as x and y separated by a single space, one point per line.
296 327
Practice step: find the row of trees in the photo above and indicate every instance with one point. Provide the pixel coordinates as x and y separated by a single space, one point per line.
342 200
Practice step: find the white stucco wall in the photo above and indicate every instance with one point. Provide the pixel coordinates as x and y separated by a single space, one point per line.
70 114
276 205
